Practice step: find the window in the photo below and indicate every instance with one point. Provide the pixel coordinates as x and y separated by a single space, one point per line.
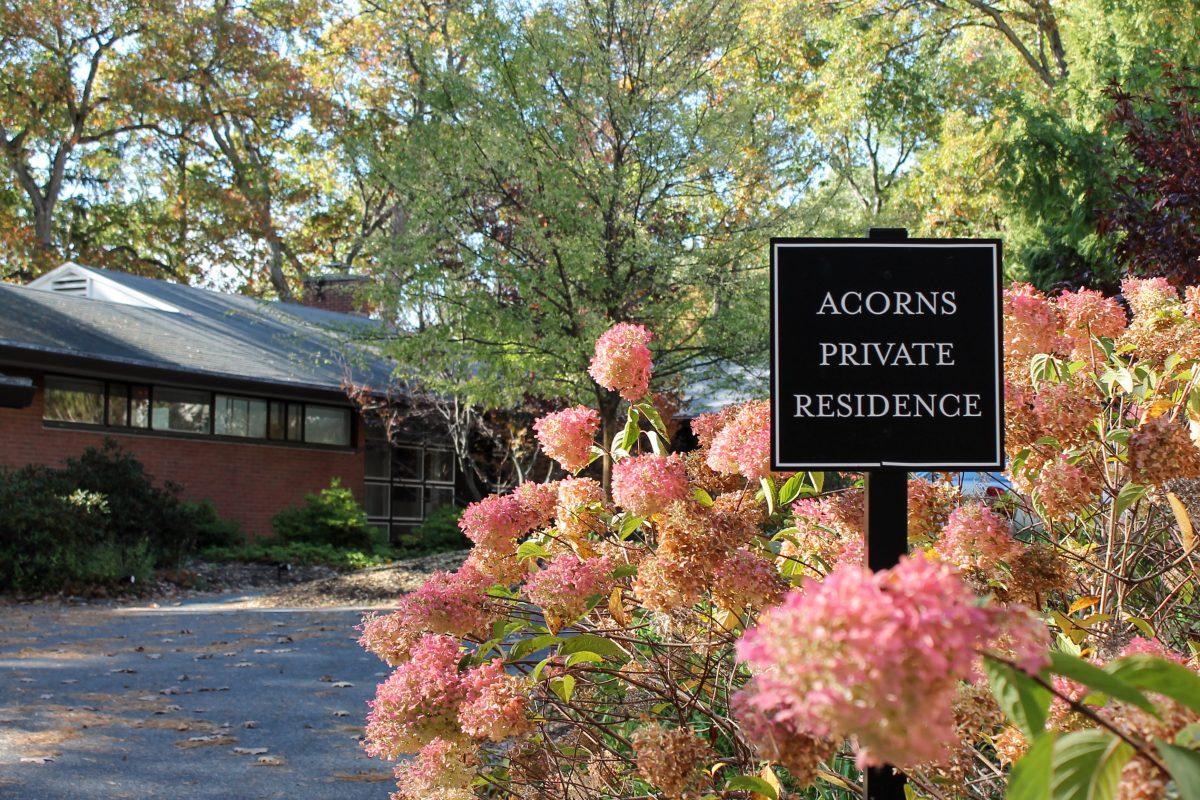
118 405
174 409
74 400
405 483
240 416
180 410
327 425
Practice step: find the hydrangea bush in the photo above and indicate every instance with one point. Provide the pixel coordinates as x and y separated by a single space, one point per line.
706 628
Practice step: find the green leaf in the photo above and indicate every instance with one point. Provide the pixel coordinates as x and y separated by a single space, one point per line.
702 497
1087 765
651 413
1184 766
1022 699
628 525
1093 677
564 687
530 550
818 480
532 645
1159 676
584 657
749 783
629 435
1130 493
625 571
592 643
768 489
656 443
1030 777
791 489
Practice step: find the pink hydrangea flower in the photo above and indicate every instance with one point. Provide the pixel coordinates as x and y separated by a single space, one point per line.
1088 313
1141 646
645 485
747 579
567 436
497 521
495 703
540 500
975 537
442 770
1064 488
622 360
1147 295
874 656
1030 323
454 603
563 586
573 518
419 702
707 426
743 446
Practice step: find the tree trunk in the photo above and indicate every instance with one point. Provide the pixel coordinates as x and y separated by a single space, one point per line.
609 403
278 279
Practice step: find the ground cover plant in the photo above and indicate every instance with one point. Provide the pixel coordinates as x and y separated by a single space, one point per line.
705 628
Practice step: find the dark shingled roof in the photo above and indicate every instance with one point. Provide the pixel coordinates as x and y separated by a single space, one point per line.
214 334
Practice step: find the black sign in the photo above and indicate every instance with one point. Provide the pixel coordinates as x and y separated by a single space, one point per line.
886 354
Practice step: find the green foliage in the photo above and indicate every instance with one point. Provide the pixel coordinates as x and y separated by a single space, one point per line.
213 530
1086 764
329 517
438 532
269 551
97 521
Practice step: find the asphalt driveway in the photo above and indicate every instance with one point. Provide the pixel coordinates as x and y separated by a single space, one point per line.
204 700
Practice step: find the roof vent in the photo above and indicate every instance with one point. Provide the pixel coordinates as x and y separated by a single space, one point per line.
76 281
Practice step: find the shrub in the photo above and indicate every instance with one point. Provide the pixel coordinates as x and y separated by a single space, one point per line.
97 521
211 529
298 553
331 516
712 631
437 533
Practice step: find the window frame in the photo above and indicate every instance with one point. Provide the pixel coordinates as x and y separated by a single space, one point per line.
129 429
421 485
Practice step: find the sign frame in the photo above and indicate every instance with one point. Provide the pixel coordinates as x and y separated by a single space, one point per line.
876 243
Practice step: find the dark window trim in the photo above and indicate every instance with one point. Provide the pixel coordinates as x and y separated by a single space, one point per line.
210 435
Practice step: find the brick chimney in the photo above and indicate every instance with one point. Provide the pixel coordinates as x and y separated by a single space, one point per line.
336 290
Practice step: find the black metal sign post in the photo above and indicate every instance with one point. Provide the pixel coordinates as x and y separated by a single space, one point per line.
886 356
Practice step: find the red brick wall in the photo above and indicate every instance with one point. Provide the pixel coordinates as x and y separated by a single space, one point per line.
248 483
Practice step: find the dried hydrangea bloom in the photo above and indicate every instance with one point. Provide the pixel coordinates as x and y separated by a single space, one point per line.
977 538
1031 323
567 436
622 360
929 507
747 579
661 586
877 656
562 587
671 759
743 445
418 702
1067 411
1021 427
1162 325
577 511
1063 488
1038 571
451 603
502 566
779 740
645 485
1087 314
702 476
742 507
1161 450
494 704
442 770
976 716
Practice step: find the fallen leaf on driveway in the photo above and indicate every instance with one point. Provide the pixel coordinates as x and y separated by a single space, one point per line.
363 777
340 713
342 685
206 741
249 751
36 759
269 761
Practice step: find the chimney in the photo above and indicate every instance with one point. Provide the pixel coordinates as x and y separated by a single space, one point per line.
336 290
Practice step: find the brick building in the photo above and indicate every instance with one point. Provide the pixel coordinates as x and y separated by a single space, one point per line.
238 400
